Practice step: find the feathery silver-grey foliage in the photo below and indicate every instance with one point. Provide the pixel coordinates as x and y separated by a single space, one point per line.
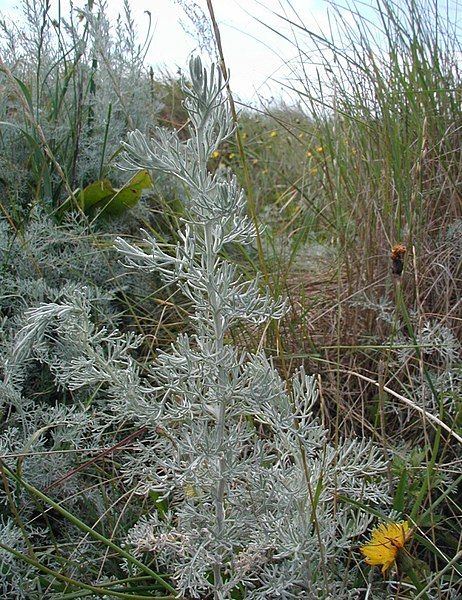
62 361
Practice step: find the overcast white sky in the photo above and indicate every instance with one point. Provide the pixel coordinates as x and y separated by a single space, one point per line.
257 57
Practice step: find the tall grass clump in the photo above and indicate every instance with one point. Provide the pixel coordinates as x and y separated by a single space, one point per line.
384 136
390 138
383 147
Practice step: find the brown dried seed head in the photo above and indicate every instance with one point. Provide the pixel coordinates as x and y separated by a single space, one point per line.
397 254
398 251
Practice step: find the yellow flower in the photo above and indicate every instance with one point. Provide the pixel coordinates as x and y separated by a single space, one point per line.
385 542
273 133
216 154
319 149
309 154
231 155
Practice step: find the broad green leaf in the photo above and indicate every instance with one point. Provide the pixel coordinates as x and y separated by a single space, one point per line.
128 196
94 194
101 198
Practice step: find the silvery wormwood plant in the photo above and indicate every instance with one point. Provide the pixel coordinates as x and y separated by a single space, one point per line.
62 365
235 454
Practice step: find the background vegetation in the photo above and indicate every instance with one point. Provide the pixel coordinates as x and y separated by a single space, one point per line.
368 159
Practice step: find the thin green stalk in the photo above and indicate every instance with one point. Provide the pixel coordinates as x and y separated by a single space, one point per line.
15 511
95 589
28 109
106 131
438 576
91 532
406 565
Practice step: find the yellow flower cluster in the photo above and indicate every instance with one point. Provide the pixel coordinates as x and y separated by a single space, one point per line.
385 542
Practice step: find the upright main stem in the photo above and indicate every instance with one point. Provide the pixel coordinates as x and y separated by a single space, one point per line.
219 329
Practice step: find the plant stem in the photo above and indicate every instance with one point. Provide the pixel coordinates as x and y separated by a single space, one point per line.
215 306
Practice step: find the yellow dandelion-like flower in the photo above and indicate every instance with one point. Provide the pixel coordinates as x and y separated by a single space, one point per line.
216 154
273 133
309 154
231 155
319 149
385 542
